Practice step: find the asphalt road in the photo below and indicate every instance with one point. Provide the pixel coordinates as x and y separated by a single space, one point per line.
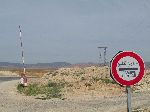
3 79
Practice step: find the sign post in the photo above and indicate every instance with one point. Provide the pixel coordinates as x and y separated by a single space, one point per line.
128 89
127 68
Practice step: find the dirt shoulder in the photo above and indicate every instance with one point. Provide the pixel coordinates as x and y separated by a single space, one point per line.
11 101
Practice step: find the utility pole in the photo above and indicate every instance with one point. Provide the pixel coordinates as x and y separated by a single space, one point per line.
104 53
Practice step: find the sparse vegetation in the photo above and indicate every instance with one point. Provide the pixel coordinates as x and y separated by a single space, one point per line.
83 78
64 73
69 81
107 81
87 84
20 88
69 85
78 73
54 73
140 110
96 79
51 90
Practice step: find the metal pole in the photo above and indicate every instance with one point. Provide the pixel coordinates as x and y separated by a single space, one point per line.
100 56
104 48
128 88
105 56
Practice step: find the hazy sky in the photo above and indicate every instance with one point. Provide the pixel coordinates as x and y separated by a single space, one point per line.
71 30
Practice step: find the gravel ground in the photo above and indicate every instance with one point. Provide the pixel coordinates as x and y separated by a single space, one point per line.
11 101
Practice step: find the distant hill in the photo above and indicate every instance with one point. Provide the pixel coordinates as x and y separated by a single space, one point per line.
85 64
38 65
54 65
7 64
147 64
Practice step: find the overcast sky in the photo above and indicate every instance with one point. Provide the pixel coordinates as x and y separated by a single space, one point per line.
71 30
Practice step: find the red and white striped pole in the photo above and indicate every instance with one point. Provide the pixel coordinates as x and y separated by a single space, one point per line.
22 50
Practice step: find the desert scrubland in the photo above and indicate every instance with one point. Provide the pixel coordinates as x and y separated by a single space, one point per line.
88 89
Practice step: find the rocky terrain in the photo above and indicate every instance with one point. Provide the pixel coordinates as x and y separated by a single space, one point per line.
88 89
92 81
144 84
89 81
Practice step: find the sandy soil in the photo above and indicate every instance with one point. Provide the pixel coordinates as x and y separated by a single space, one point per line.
11 101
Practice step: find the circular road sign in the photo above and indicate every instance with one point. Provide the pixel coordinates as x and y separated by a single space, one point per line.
127 68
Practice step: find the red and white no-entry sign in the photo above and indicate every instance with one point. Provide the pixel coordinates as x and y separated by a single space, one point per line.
127 68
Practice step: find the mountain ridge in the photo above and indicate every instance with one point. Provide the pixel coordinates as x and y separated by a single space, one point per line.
38 65
54 65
